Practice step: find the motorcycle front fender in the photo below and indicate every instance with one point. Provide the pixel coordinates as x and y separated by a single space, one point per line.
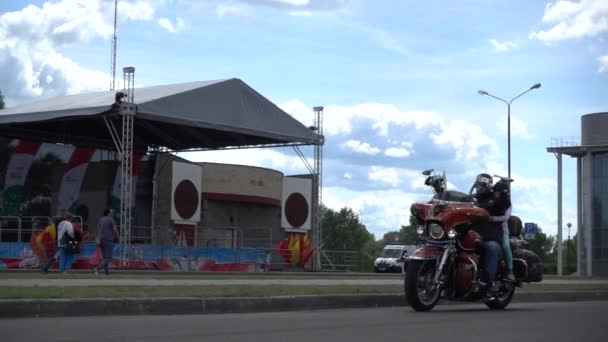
427 253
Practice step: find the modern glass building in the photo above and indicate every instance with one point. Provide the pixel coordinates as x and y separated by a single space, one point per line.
592 193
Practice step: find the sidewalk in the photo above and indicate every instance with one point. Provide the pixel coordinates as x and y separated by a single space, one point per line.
186 306
151 287
103 280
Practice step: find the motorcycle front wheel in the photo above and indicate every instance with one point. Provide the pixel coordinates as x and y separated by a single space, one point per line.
420 291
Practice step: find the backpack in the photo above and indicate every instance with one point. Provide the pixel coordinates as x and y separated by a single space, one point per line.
72 246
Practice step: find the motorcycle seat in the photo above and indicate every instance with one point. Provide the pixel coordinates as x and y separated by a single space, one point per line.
515 226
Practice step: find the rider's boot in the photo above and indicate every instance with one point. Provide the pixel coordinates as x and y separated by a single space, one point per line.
492 291
510 276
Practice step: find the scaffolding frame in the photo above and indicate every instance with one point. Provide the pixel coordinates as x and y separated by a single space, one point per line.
124 145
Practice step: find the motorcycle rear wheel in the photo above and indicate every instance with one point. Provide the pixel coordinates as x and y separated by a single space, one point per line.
504 297
420 292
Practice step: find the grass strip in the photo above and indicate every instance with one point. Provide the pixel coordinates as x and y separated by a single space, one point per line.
186 291
233 291
179 275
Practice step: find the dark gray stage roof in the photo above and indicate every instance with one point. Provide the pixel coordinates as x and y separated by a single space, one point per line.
198 115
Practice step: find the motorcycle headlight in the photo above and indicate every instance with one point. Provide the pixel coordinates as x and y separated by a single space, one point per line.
420 230
436 231
451 234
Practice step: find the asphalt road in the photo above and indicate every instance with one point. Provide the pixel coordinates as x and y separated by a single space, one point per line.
555 322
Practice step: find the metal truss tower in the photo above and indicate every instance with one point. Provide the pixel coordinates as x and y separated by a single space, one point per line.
113 62
318 188
127 112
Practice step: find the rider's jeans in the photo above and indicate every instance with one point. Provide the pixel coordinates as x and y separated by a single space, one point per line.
490 262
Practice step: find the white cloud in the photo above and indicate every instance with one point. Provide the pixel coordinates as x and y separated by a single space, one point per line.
301 13
255 157
603 63
348 175
338 120
502 47
387 210
237 10
393 176
360 147
299 111
169 26
299 8
382 38
397 152
31 65
467 139
313 5
572 20
518 128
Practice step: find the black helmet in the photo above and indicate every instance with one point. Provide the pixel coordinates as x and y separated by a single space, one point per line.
483 183
502 185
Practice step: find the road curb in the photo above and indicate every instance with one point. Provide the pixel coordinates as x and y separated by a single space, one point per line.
185 306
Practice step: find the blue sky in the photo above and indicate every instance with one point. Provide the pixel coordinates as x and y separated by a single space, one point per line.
398 80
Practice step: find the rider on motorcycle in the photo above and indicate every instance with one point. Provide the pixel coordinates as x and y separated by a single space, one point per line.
490 231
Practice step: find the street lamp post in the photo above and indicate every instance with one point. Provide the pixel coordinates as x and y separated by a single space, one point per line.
483 92
569 225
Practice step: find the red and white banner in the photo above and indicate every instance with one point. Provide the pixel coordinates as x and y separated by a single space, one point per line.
16 174
296 204
69 191
115 201
186 192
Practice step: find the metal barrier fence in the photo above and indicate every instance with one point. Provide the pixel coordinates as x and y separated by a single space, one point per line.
21 228
340 261
182 245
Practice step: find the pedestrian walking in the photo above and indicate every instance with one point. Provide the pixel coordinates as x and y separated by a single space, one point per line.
65 232
107 233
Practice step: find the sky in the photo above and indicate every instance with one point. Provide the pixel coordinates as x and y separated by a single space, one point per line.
399 81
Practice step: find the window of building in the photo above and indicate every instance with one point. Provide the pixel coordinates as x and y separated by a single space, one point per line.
599 231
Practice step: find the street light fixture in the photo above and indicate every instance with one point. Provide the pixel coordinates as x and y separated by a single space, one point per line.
483 92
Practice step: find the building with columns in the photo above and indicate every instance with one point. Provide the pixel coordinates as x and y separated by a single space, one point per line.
592 193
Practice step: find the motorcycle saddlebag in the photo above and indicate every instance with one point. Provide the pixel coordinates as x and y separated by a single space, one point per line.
527 266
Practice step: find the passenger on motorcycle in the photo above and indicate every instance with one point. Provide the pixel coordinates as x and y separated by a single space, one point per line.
502 208
491 232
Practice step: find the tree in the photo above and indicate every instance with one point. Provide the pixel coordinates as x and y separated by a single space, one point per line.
343 231
569 256
542 245
1 100
406 235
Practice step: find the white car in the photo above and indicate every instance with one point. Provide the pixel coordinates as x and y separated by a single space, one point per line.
391 259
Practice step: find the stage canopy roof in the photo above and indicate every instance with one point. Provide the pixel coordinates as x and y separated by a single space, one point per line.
199 115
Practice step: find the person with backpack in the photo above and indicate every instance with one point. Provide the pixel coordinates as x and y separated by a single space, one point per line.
65 232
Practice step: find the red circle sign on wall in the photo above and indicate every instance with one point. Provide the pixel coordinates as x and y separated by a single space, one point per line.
296 209
185 199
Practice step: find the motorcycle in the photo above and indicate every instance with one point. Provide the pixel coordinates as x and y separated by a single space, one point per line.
448 265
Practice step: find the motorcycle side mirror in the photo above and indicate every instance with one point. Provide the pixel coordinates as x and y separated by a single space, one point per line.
427 172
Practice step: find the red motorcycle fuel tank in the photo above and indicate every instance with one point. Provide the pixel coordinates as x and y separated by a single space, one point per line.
452 214
469 241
